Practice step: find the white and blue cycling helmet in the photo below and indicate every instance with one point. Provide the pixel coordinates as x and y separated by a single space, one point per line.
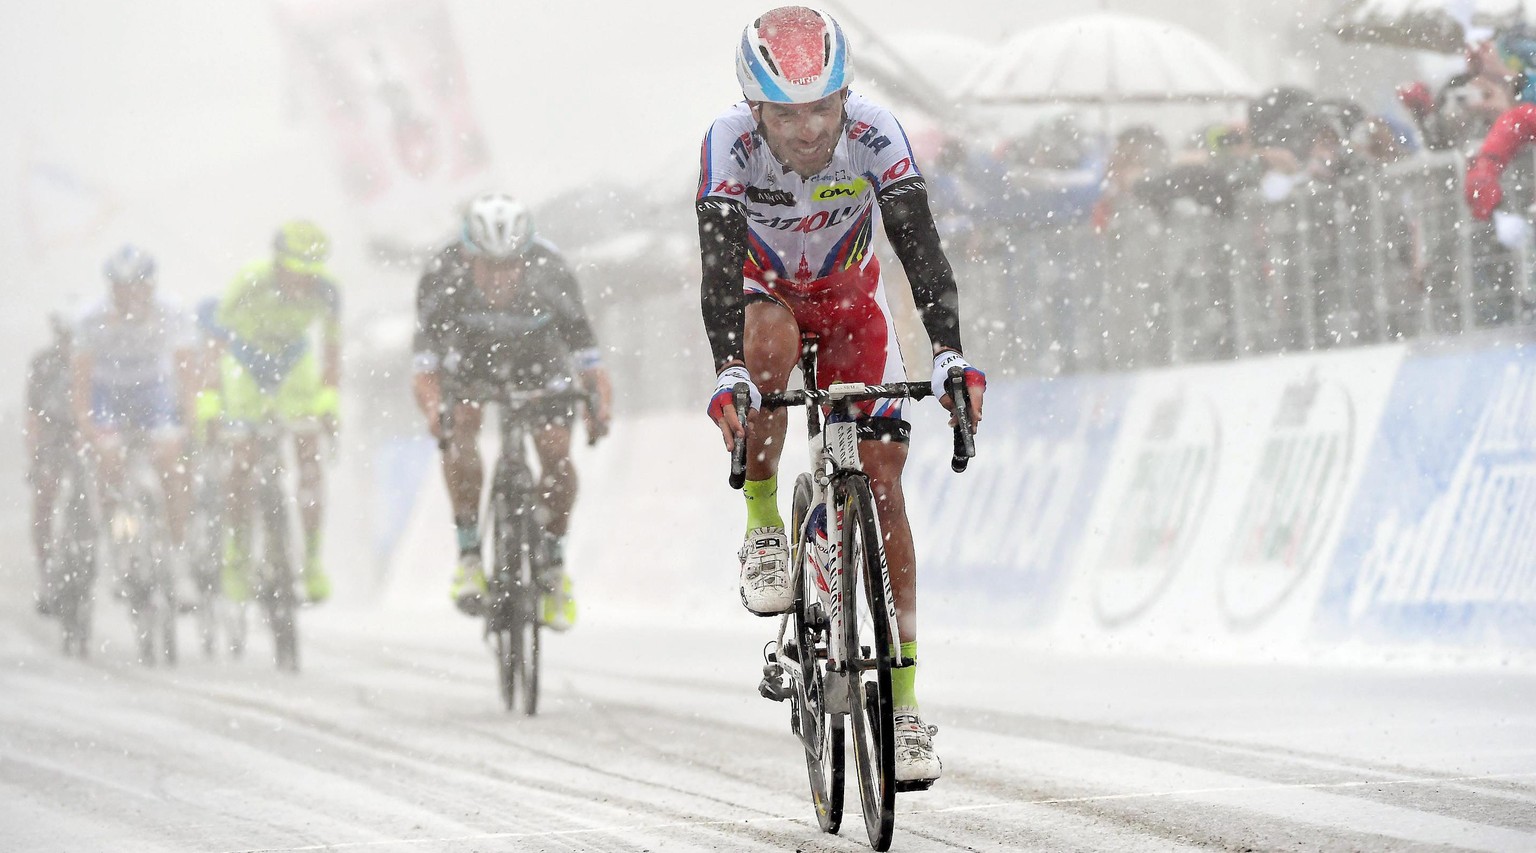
792 55
128 265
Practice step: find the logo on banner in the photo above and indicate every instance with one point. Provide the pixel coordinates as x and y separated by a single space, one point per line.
1293 502
1158 513
1473 546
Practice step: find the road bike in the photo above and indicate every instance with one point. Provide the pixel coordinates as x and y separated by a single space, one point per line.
521 546
216 615
269 521
140 547
70 569
832 658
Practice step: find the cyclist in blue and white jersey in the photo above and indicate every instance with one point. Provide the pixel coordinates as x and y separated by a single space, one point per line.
793 181
131 373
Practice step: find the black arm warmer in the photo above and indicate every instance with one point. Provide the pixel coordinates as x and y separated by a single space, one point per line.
909 225
723 249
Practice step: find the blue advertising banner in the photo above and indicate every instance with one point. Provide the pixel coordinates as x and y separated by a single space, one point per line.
1008 529
1440 542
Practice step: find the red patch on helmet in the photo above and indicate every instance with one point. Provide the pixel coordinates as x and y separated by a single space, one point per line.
796 39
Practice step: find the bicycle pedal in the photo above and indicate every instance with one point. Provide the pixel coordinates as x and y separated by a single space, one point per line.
914 785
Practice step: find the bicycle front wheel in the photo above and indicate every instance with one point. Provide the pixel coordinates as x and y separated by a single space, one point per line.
528 641
867 637
821 733
516 627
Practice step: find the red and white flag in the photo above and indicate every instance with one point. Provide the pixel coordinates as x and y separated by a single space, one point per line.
388 81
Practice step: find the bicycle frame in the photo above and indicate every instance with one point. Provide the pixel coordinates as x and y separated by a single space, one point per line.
139 548
519 536
833 457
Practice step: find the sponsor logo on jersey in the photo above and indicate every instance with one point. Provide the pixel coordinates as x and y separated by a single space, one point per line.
805 224
729 188
741 149
869 136
898 170
759 195
849 189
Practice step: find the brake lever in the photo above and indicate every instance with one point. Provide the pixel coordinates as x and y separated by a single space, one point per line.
741 398
960 402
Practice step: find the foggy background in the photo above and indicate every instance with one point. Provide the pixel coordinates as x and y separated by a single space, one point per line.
1286 690
192 129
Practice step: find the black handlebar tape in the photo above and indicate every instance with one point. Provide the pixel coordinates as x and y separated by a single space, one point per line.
741 398
960 399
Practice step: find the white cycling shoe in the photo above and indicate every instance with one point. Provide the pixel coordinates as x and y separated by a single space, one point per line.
765 572
917 764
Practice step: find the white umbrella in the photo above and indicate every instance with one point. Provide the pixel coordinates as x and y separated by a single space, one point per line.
1108 58
1441 25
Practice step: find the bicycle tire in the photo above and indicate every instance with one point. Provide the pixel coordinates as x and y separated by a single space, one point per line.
141 604
528 672
501 608
820 732
869 667
276 562
168 612
506 666
72 579
526 606
285 634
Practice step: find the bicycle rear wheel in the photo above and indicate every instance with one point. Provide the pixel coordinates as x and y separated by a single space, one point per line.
142 601
73 573
275 560
821 733
867 635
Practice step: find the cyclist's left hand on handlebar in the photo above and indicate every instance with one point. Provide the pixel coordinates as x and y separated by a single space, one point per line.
595 381
975 383
722 409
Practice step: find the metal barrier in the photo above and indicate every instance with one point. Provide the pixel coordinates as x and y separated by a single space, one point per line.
1374 256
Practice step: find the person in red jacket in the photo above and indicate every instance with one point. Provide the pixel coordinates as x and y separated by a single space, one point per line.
1515 129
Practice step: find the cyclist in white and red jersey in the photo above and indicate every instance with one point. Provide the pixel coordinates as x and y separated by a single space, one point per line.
792 182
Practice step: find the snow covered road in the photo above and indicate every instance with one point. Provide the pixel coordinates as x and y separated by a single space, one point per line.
652 737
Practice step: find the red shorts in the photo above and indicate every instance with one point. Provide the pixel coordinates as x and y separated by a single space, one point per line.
849 313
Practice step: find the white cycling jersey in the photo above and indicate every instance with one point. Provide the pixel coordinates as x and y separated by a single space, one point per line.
807 234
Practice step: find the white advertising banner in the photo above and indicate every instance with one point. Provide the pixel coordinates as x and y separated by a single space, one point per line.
1222 501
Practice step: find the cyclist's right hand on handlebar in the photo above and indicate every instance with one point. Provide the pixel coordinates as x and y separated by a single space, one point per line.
723 411
975 384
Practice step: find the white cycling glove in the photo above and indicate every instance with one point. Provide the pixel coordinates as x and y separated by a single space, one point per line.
725 384
941 365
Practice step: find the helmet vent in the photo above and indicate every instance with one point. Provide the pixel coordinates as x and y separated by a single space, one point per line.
763 49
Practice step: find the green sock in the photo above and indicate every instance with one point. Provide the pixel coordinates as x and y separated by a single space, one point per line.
311 553
904 679
763 503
